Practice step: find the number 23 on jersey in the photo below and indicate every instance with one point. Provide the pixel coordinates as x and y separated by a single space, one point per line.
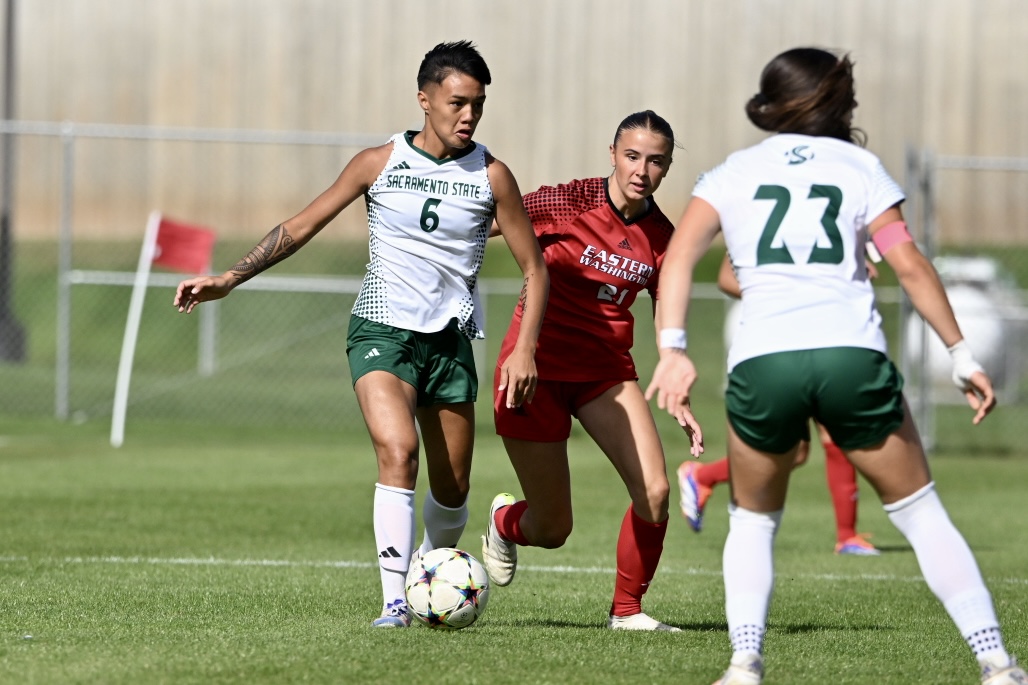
780 195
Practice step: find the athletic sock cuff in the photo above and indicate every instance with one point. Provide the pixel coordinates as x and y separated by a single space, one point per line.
390 488
738 514
910 499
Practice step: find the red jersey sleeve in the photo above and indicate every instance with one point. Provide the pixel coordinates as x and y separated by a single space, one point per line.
552 208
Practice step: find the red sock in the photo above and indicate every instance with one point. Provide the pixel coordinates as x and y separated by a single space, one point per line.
639 546
709 475
508 522
842 482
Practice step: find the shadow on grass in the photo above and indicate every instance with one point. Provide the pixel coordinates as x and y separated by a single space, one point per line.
907 549
703 627
806 628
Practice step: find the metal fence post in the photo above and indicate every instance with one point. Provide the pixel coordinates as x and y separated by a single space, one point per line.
12 332
62 377
207 361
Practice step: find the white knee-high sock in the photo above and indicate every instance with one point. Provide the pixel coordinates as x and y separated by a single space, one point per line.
748 567
443 525
394 536
949 568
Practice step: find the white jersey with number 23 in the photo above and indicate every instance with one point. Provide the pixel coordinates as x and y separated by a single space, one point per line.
794 211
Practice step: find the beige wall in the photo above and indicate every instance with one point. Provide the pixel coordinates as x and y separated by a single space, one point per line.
946 74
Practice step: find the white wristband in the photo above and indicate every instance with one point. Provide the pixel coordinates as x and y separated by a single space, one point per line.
673 338
964 364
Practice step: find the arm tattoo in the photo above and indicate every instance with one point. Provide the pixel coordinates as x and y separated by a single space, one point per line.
275 247
523 297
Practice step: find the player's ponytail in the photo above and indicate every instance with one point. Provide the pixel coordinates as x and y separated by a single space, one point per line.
808 91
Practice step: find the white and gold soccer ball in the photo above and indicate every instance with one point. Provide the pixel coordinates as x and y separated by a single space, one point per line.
447 588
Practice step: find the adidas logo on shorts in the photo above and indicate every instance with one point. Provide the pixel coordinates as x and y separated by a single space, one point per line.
373 353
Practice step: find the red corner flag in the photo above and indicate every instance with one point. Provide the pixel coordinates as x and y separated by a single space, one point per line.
183 247
171 244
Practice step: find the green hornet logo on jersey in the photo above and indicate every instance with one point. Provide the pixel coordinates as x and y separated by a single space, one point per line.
799 154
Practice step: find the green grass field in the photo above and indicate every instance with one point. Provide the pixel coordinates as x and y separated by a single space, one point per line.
208 555
230 540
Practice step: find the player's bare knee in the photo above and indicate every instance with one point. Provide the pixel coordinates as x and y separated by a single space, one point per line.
553 535
653 502
397 464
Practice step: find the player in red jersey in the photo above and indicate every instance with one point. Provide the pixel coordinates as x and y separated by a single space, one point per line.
603 240
696 480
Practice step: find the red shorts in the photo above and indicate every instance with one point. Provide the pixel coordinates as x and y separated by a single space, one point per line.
548 417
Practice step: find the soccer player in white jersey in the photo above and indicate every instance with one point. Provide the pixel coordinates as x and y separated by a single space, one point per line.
432 196
696 480
795 211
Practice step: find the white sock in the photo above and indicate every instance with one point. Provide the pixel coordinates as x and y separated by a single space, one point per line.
950 569
748 567
394 538
443 525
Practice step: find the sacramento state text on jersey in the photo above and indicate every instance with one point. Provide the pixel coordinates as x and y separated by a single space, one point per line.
433 186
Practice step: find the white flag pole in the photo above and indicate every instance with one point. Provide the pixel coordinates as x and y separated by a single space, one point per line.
135 314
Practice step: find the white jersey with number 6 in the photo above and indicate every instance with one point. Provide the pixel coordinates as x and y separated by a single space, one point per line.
428 221
794 211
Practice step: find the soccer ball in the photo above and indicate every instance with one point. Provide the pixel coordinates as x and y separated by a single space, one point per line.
447 588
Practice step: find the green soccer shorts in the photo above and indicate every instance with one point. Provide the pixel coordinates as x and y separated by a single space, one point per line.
855 393
440 365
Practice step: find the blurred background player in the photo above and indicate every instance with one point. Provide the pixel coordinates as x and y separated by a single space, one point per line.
696 480
795 211
603 240
409 339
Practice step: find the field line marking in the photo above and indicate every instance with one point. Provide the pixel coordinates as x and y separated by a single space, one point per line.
287 563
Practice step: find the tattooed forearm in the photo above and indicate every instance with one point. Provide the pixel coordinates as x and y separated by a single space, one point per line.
523 297
275 247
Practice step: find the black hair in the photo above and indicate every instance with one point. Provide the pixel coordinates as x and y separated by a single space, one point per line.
649 120
809 91
444 59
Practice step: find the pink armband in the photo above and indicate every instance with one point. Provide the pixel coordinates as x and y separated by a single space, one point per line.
891 235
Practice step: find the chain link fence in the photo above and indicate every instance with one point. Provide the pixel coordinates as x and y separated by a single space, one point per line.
72 246
986 284
274 352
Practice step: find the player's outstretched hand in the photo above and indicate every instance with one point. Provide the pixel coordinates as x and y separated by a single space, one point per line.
672 380
980 395
692 429
518 378
193 291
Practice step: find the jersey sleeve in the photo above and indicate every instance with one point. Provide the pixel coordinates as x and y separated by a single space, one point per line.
653 287
552 208
709 186
884 193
